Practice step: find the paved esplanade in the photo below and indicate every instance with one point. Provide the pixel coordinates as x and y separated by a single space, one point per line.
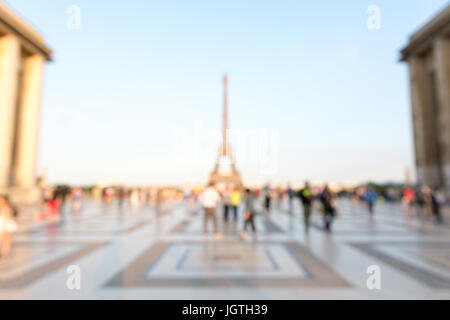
141 254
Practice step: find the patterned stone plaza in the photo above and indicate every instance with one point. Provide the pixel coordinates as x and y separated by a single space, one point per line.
144 253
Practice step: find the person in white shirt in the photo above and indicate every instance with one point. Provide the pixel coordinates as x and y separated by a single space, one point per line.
209 199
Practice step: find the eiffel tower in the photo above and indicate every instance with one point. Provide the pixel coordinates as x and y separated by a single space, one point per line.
229 174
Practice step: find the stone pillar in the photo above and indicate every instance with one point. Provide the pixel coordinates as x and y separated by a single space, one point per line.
10 55
426 147
25 188
442 64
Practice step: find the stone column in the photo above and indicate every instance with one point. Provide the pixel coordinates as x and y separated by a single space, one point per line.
27 138
10 53
426 147
442 63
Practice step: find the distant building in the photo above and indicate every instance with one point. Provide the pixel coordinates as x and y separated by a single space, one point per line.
23 54
428 57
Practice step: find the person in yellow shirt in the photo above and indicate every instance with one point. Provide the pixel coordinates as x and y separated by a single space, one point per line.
235 201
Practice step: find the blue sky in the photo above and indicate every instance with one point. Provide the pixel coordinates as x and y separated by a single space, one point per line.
128 91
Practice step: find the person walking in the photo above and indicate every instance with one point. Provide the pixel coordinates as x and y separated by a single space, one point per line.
7 226
209 199
409 198
432 201
134 199
291 195
235 201
305 196
370 197
249 214
328 209
267 192
77 198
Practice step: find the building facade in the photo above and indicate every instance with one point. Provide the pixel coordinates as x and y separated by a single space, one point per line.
428 58
23 54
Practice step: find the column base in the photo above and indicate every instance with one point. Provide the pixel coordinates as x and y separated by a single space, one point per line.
25 196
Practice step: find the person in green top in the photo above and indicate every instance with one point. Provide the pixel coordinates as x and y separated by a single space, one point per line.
306 198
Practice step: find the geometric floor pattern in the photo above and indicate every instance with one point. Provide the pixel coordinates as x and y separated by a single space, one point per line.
226 264
427 262
145 253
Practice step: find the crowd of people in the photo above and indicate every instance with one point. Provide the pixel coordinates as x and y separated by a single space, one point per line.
231 198
422 201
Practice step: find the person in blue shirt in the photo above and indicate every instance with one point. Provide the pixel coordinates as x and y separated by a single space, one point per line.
370 197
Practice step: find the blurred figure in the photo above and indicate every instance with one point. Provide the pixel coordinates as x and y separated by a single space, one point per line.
226 194
235 201
143 197
134 199
159 198
370 197
305 196
209 199
409 197
249 214
267 193
121 195
329 211
420 200
148 197
291 195
7 226
427 200
51 207
107 195
432 204
77 195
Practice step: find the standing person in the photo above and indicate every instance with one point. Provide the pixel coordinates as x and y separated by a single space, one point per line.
291 194
370 197
7 226
409 197
134 199
329 212
432 201
235 201
420 200
267 199
52 208
209 199
427 200
249 215
226 194
305 195
77 194
121 195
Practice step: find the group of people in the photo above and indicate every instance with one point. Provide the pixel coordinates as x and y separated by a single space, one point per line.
428 201
232 199
325 197
420 200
